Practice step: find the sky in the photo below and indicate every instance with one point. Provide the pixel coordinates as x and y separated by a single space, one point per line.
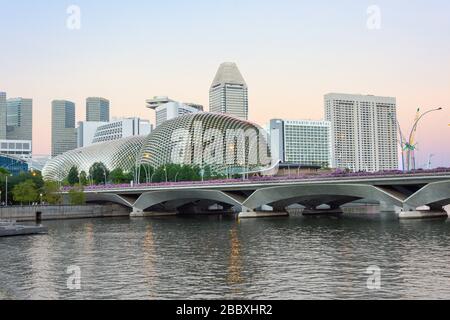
290 52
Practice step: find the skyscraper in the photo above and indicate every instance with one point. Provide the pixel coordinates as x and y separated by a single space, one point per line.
229 93
64 134
19 119
3 108
97 109
364 131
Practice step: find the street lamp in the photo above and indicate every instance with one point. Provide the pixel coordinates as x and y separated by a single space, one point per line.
40 195
410 145
6 189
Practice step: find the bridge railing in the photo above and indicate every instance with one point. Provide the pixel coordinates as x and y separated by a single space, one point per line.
338 174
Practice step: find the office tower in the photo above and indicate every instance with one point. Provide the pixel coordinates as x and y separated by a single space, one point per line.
229 93
303 142
3 112
64 134
364 131
19 123
167 109
97 109
94 132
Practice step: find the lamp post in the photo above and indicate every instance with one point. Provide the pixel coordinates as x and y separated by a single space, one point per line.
6 190
40 195
410 145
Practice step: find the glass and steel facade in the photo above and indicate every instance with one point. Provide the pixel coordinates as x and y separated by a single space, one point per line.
64 134
19 119
113 154
226 144
97 109
14 165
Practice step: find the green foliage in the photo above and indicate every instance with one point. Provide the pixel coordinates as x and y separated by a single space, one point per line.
98 173
34 176
117 176
73 177
83 178
3 171
25 192
145 173
50 193
77 196
177 173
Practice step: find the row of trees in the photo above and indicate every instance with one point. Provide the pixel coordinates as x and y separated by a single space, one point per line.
99 174
29 187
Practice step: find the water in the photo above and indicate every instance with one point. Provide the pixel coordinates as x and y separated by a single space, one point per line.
218 257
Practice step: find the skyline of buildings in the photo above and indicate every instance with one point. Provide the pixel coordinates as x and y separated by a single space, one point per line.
357 132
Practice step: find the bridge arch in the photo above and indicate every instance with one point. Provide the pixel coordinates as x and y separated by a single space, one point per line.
108 197
343 193
150 199
433 194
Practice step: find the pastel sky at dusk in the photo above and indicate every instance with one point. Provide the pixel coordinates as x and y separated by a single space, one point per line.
291 53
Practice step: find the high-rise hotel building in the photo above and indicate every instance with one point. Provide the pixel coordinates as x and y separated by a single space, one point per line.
229 93
303 142
364 131
64 134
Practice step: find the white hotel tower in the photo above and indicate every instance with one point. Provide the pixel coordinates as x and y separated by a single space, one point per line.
364 131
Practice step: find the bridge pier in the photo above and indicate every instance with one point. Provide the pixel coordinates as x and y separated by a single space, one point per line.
138 213
247 213
408 212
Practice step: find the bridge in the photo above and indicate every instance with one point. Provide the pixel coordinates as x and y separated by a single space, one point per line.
393 192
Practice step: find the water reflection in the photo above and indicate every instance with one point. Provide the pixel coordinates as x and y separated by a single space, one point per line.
210 257
149 261
234 270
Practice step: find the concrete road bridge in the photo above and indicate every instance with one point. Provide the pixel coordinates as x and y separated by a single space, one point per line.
394 193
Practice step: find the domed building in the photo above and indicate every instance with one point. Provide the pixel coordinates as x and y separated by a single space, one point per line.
226 144
113 154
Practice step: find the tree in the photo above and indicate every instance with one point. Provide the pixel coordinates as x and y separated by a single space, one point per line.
73 177
4 172
77 196
50 193
117 176
98 173
25 192
83 178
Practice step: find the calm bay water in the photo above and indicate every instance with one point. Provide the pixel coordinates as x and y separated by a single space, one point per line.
218 257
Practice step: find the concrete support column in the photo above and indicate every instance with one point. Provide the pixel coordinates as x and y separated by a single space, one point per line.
137 213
